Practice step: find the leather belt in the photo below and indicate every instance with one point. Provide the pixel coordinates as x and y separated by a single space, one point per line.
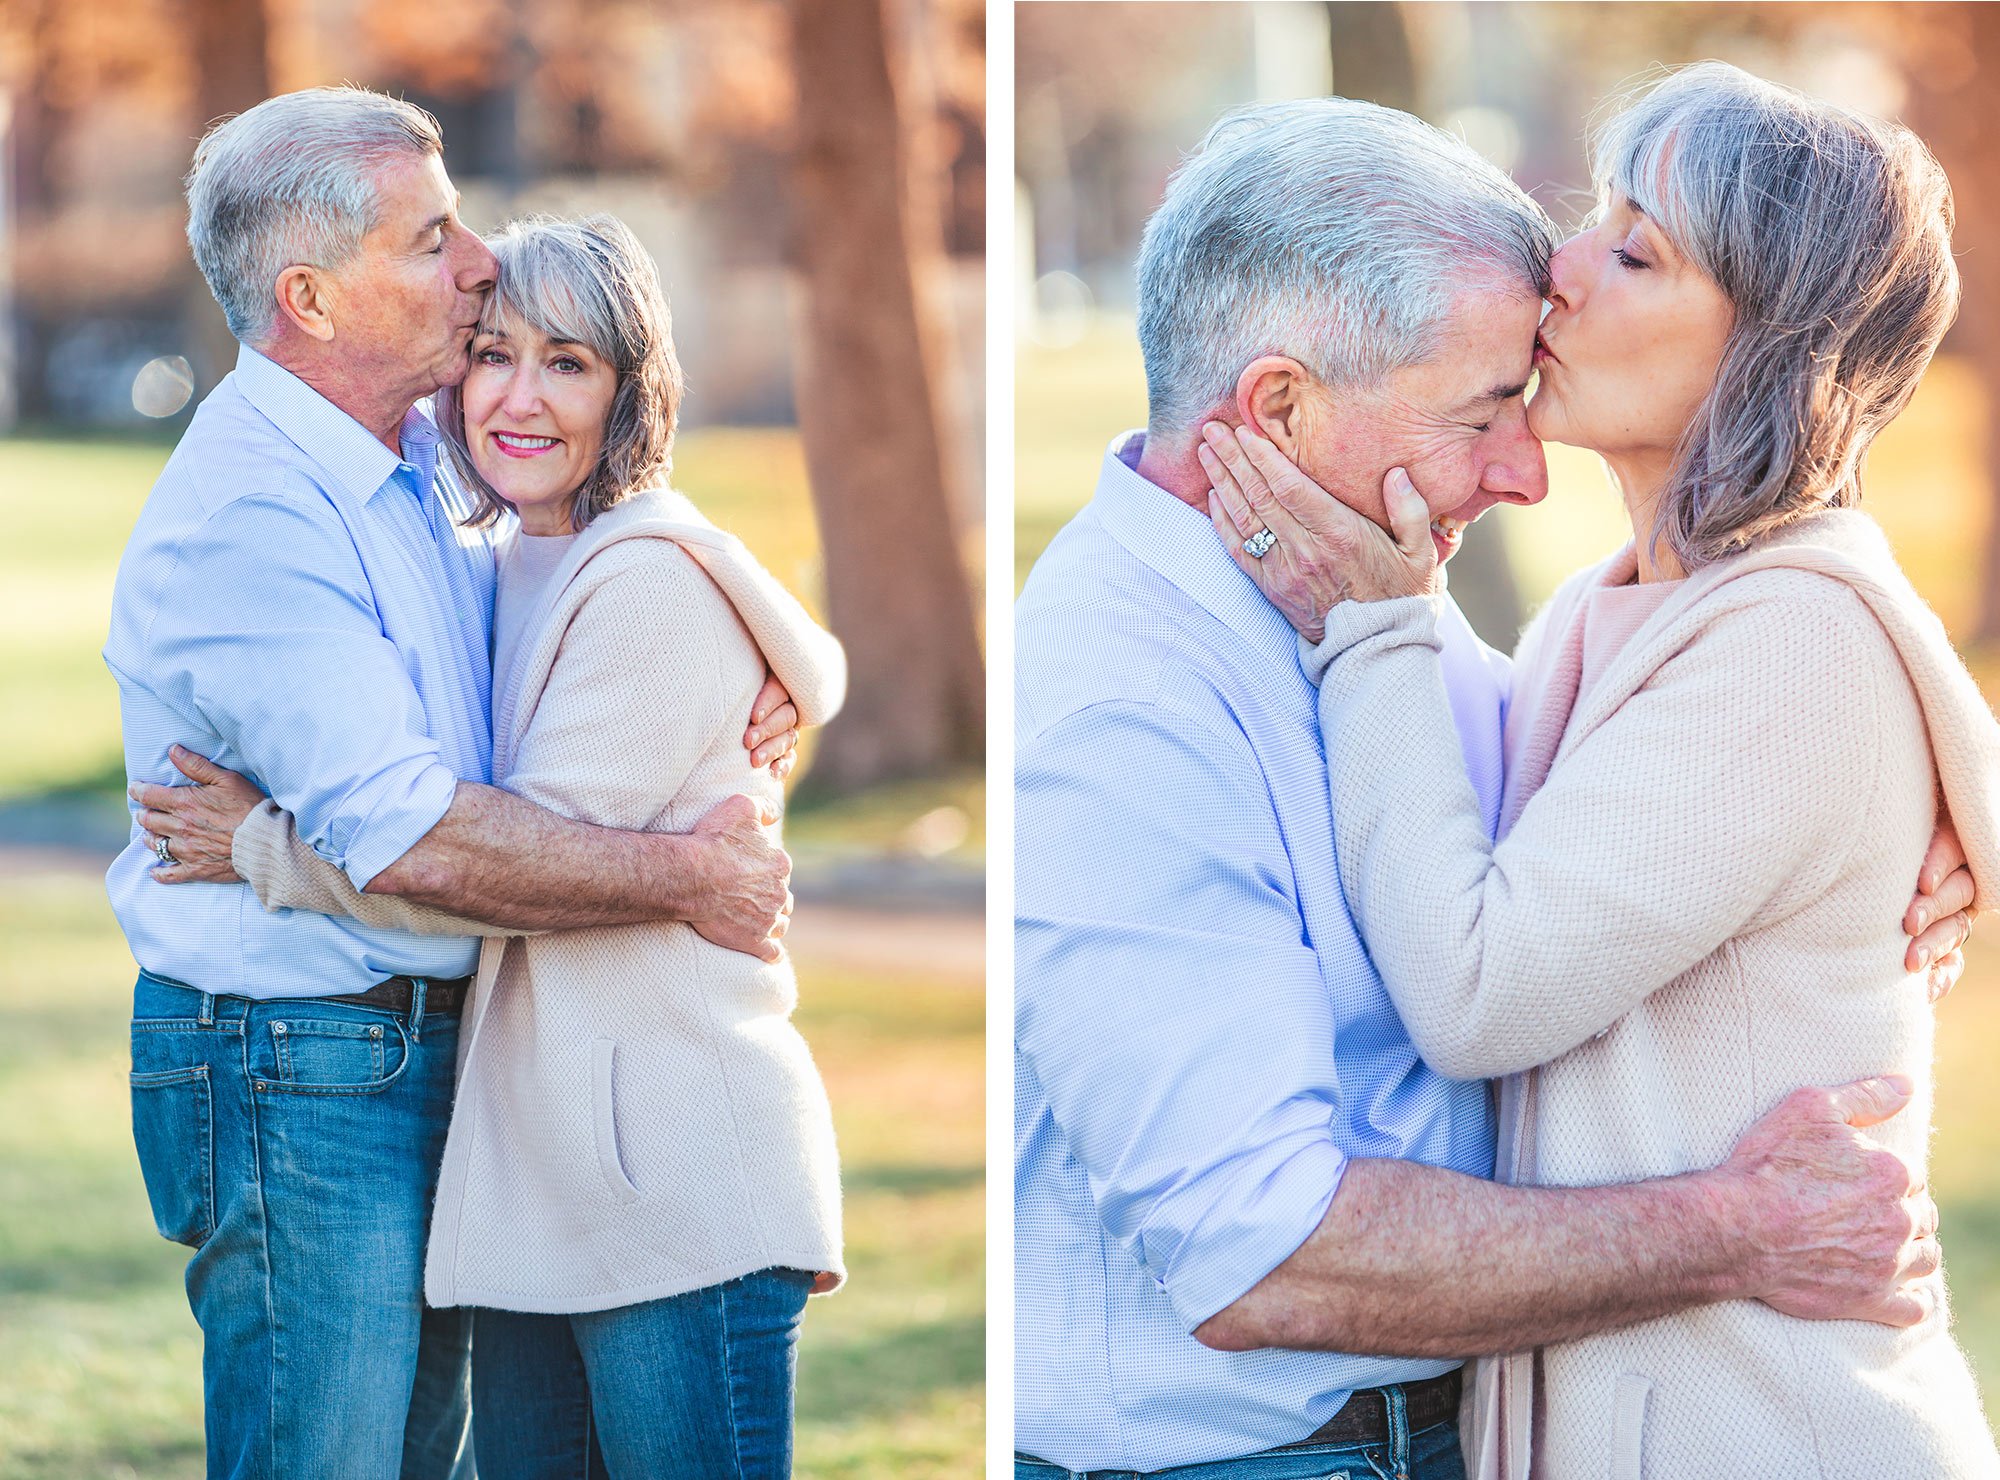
398 992
1364 1418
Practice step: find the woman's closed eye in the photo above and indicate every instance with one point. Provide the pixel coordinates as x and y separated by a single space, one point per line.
1627 260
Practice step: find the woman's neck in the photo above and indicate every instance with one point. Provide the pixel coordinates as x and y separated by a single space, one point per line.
1640 478
546 519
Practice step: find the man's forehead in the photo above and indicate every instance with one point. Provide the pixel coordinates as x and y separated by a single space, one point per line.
1487 352
412 185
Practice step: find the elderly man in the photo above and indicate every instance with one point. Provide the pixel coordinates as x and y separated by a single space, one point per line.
300 602
1253 1233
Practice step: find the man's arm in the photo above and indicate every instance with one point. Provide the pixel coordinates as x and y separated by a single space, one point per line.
499 858
1417 1261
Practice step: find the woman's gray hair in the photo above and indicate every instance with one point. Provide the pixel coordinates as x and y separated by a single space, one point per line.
289 182
1830 234
1333 231
591 283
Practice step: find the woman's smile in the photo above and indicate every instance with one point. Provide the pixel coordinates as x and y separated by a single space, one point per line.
520 444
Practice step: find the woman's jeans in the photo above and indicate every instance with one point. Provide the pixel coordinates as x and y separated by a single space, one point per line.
294 1146
1427 1454
694 1387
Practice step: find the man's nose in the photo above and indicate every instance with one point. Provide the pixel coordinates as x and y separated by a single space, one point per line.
479 268
1517 471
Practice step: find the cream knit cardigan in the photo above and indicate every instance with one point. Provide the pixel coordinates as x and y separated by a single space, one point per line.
1695 908
636 1115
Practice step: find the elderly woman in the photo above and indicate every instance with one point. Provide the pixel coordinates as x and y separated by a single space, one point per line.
1725 753
639 1186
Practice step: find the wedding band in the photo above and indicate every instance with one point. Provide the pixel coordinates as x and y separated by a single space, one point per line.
1259 544
162 850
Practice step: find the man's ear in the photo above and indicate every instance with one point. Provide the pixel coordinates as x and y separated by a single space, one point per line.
1270 399
305 299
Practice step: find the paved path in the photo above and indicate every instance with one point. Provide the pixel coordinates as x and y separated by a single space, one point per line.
837 922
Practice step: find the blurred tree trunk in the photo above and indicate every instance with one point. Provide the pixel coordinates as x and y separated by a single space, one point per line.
35 137
232 56
897 594
1946 63
1374 58
232 61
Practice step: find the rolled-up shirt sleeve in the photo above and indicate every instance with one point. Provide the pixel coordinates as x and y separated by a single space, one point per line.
1167 998
273 641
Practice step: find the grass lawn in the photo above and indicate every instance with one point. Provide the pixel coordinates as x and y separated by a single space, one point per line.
100 1371
1925 484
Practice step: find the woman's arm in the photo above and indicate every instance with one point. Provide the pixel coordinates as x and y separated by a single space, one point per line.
282 868
1740 776
1660 837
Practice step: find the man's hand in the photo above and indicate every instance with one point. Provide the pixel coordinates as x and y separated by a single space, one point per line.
773 736
1324 553
197 821
1844 1229
752 900
1939 919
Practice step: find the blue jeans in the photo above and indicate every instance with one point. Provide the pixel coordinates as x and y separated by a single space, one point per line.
1426 1454
694 1387
294 1146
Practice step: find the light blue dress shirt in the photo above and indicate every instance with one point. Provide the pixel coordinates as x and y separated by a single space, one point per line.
301 605
1200 1039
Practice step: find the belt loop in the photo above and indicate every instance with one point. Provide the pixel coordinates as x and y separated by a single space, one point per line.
416 1009
206 1016
1398 1403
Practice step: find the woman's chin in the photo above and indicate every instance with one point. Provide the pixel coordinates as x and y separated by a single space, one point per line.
1546 422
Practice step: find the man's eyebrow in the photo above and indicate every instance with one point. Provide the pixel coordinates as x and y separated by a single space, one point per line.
442 219
1493 396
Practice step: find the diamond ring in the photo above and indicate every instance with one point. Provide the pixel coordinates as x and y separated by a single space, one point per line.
1259 544
162 850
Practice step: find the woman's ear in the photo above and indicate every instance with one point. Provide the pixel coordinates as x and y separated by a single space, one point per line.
1270 399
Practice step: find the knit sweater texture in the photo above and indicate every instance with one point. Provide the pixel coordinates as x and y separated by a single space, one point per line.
636 1115
1693 909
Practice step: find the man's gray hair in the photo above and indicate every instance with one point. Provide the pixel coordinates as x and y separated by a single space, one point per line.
1830 234
290 182
1335 232
589 282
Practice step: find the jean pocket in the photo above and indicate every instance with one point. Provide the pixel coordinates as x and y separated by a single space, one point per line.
308 1055
604 1112
173 1127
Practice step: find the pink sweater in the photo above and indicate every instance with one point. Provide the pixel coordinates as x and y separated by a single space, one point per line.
1694 908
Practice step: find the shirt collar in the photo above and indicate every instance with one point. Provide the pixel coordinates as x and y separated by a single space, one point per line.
348 451
1179 542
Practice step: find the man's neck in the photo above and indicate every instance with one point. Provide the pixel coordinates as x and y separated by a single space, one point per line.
1169 462
380 412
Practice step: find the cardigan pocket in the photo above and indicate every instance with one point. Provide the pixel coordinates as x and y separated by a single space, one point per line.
1628 1424
603 1057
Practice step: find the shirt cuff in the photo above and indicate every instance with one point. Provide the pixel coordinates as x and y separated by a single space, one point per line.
1254 1230
397 824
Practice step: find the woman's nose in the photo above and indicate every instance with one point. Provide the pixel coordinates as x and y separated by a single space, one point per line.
524 395
1563 273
